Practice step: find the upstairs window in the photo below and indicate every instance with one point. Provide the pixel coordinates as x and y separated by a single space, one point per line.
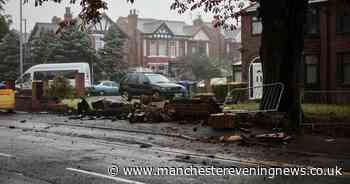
163 48
172 48
313 21
256 25
343 22
228 48
99 43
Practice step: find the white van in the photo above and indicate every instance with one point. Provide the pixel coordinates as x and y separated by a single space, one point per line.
49 71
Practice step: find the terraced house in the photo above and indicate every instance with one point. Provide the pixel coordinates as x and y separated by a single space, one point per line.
154 43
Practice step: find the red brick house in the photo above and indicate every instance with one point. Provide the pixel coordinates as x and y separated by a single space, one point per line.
326 63
154 43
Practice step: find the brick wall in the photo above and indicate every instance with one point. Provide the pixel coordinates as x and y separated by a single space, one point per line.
250 46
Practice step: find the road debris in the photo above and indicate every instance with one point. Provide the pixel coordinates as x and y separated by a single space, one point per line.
197 108
230 138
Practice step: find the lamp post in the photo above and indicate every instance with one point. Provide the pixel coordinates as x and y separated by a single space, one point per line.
20 39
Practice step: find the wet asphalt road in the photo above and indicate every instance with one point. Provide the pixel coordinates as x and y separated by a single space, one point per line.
40 154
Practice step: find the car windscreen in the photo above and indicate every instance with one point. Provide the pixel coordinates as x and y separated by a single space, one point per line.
156 78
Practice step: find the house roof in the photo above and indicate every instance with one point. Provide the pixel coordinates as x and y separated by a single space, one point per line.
178 28
151 25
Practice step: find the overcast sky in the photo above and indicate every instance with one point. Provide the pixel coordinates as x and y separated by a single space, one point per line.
146 9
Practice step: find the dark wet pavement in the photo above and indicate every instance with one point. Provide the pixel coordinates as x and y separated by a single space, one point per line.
38 151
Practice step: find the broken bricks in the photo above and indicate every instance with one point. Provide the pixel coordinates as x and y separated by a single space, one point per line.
230 138
229 120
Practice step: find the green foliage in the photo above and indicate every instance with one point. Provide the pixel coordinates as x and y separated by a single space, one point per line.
61 89
42 47
111 62
72 45
4 26
9 56
203 67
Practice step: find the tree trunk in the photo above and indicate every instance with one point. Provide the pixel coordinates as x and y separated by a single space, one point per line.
281 50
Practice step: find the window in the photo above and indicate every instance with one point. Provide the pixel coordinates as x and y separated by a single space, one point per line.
343 22
132 79
144 47
237 73
178 48
163 48
99 43
313 21
344 67
153 48
194 49
228 48
256 25
172 48
311 69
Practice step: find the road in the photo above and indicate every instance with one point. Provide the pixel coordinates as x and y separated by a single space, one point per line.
41 152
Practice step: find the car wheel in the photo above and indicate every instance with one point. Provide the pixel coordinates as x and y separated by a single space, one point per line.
102 93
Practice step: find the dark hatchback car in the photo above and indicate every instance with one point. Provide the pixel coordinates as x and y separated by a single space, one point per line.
136 84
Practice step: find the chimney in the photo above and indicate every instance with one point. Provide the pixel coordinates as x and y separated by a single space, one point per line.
133 46
198 21
68 15
132 21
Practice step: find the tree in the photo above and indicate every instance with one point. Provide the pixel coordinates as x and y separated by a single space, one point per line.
4 21
2 3
72 45
42 47
4 26
9 56
203 67
111 63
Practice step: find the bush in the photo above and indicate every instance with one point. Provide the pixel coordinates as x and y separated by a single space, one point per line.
61 89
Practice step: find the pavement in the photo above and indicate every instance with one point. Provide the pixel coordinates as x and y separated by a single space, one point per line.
45 148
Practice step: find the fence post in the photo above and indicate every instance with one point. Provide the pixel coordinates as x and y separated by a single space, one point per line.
37 93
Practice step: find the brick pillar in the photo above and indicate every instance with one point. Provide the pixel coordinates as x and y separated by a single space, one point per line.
37 93
80 84
208 87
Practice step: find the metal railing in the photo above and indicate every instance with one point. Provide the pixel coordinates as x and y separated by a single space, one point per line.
265 98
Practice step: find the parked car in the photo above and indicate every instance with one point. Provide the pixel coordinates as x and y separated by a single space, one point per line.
136 84
105 88
7 98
